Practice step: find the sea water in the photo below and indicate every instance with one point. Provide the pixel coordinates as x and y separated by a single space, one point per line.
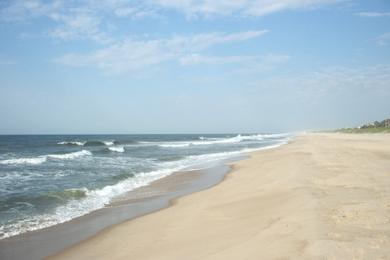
47 180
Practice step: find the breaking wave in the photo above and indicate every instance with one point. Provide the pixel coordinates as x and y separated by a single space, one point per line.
69 156
43 158
31 161
99 143
87 143
118 149
72 143
211 141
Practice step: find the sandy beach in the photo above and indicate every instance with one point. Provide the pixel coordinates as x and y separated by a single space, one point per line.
322 196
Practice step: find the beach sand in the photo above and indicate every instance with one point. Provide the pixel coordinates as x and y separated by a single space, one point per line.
322 196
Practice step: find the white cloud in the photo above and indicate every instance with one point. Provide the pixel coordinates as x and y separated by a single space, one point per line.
89 19
204 40
21 10
265 7
78 25
125 56
373 14
72 19
133 54
383 39
239 7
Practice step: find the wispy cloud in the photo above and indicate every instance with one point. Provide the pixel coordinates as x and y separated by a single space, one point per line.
373 14
24 9
78 24
74 19
133 54
383 39
239 7
90 19
21 10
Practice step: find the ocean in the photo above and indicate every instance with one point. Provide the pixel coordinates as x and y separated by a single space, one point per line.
50 179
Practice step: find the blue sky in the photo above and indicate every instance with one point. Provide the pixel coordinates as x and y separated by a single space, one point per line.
170 66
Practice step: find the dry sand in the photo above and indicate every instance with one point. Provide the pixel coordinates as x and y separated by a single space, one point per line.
322 196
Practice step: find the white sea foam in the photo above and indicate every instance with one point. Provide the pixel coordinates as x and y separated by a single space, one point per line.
31 161
82 143
196 161
276 135
118 149
43 158
72 143
69 156
210 141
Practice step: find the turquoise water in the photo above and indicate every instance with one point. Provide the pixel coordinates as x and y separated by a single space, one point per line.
46 180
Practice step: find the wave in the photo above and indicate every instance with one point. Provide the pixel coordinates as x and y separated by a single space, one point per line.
99 143
93 200
118 149
69 156
72 143
31 161
87 143
194 162
212 140
273 136
43 158
202 140
82 201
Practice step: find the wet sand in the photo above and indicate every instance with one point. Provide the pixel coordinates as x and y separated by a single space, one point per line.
322 196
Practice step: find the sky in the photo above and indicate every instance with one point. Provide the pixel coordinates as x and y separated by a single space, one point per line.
186 66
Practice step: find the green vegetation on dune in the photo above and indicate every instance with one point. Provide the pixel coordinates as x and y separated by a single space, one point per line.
364 130
374 127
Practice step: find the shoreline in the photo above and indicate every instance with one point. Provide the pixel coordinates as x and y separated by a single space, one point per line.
321 195
145 200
